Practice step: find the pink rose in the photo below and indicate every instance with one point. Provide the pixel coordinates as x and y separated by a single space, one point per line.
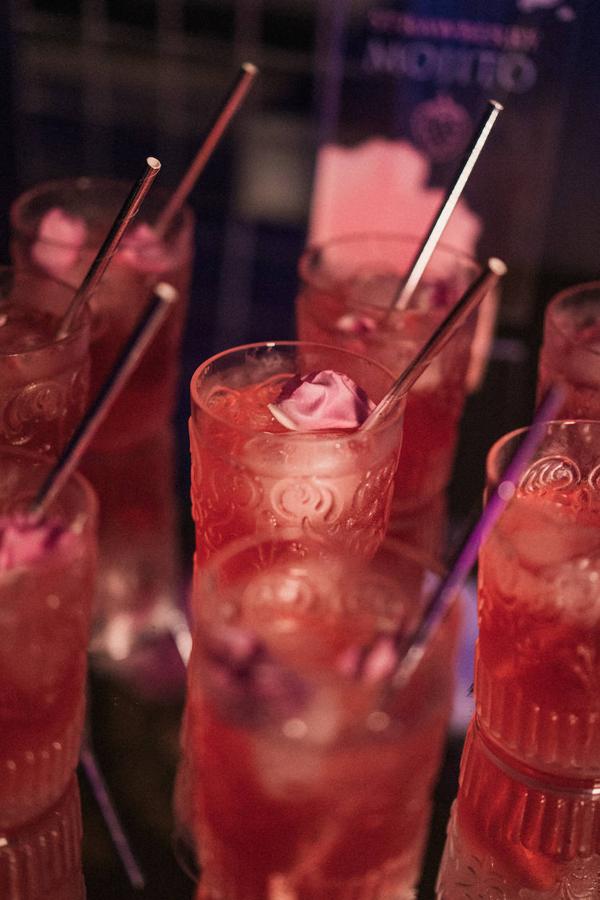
321 401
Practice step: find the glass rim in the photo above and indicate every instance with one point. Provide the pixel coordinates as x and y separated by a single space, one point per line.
389 237
492 456
390 543
207 577
90 506
82 323
562 786
81 183
385 424
560 297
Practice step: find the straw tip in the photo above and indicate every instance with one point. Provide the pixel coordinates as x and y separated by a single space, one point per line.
497 266
250 68
166 292
153 162
496 105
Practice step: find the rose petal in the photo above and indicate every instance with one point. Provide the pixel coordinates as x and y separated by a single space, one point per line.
321 401
24 541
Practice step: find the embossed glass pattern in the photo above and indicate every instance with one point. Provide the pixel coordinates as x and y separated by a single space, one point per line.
43 381
305 782
570 351
45 610
538 658
246 478
130 462
347 287
42 859
514 836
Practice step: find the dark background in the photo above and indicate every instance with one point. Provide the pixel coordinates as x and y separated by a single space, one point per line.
94 86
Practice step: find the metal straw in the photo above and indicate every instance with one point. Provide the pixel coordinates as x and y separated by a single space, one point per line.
408 652
227 110
105 253
493 270
163 297
406 289
97 783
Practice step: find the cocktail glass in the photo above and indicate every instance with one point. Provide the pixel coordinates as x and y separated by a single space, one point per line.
534 753
249 474
46 595
42 859
347 288
43 380
131 460
571 349
307 782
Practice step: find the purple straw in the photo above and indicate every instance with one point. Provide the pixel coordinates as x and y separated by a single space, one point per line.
398 656
110 816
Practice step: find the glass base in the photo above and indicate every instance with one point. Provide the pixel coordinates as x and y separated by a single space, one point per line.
42 860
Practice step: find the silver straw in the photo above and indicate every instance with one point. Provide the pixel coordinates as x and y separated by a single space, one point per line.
406 289
227 110
163 298
492 272
95 272
90 766
406 653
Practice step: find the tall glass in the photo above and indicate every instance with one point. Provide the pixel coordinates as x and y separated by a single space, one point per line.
43 380
250 474
42 859
347 288
58 227
571 349
537 681
514 834
305 781
46 591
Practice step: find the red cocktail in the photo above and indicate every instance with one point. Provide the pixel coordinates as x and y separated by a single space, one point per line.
46 588
307 782
58 227
251 474
570 353
513 834
42 859
43 380
347 288
527 819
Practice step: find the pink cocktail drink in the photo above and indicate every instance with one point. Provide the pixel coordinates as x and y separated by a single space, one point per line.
58 227
570 352
307 782
516 834
527 819
42 859
46 589
43 380
251 474
537 668
347 288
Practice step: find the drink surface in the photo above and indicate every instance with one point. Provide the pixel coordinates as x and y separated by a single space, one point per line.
307 783
249 473
538 656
